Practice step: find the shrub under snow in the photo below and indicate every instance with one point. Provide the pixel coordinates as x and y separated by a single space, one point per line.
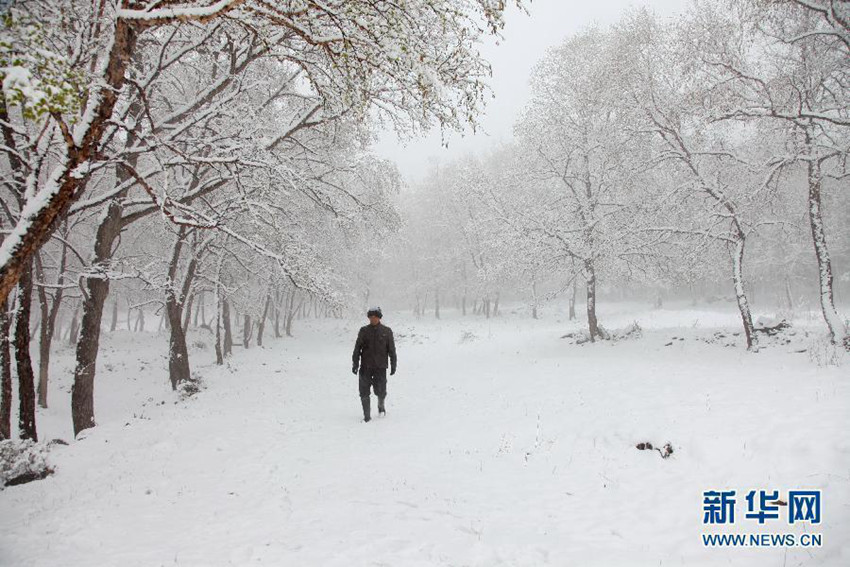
22 461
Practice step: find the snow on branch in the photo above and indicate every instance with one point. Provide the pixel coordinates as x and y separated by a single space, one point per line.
161 16
177 212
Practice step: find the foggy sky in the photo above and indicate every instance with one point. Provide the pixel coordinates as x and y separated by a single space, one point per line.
526 39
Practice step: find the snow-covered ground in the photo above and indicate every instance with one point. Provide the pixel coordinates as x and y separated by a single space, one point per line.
504 444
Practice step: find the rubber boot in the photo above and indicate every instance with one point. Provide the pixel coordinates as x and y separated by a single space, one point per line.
381 409
367 408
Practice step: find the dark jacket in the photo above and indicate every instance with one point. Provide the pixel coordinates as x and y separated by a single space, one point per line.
374 344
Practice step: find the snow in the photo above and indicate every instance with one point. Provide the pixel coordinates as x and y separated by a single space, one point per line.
16 78
83 126
31 210
504 444
178 13
82 170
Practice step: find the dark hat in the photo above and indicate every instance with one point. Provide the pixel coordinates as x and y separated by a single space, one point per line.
376 311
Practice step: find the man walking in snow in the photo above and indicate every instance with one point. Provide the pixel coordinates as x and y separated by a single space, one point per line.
374 344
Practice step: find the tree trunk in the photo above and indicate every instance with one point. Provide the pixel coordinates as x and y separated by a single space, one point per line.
44 335
97 289
187 313
204 315
17 174
572 313
592 323
57 328
23 362
178 354
246 332
262 326
198 308
52 326
74 331
219 354
463 305
140 321
225 321
114 323
437 303
277 317
833 320
5 374
496 305
290 315
740 293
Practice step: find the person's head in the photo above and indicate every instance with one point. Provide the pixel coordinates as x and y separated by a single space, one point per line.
374 314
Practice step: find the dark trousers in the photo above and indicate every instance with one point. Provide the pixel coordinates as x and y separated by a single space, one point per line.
375 378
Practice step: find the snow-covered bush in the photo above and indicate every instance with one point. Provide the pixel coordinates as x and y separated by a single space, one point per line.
633 331
190 387
468 337
22 461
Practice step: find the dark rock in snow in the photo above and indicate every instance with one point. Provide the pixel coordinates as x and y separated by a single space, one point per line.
664 451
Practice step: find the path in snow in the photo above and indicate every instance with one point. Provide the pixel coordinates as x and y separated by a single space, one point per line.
503 445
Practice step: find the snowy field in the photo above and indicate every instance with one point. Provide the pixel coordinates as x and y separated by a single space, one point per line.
504 444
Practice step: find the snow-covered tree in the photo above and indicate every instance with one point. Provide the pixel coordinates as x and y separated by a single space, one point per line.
582 162
785 63
414 63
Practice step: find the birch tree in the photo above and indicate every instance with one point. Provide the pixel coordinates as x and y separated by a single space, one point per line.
786 63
